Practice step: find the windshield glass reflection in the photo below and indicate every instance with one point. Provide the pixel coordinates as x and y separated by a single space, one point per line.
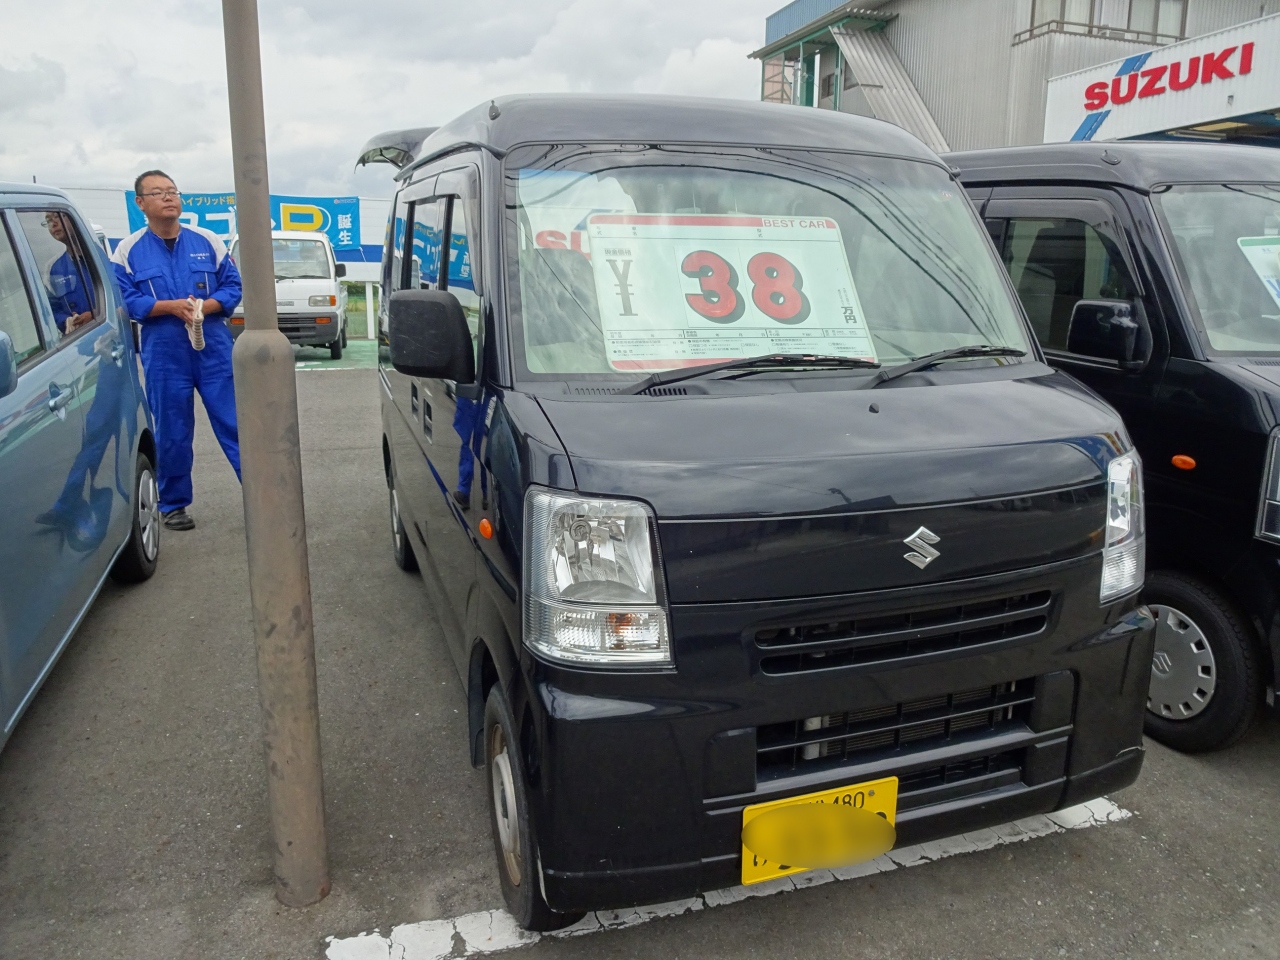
629 260
1227 238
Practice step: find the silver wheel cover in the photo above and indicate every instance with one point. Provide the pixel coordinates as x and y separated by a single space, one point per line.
1183 671
504 807
149 514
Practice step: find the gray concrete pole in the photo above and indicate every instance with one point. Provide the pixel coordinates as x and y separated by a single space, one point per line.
274 521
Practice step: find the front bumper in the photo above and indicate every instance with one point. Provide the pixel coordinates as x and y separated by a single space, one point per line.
315 328
639 781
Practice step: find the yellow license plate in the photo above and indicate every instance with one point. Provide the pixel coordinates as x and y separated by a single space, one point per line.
875 796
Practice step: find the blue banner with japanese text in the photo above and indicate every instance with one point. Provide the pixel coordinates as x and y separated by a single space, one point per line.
338 217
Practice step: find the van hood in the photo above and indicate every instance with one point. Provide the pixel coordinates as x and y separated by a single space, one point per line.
800 494
1249 371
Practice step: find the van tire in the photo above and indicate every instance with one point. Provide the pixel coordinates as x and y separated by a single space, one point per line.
515 839
1236 664
335 349
401 549
137 562
344 333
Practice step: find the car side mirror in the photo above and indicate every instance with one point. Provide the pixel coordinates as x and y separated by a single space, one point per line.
428 336
1105 329
8 366
339 270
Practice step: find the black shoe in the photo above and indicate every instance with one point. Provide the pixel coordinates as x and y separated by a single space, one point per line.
178 519
51 518
462 499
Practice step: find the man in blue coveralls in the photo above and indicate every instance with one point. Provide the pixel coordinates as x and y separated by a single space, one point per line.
164 269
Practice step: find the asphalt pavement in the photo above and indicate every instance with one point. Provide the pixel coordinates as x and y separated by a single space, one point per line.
133 797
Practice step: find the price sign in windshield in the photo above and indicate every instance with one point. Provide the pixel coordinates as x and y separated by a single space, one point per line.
684 290
1263 254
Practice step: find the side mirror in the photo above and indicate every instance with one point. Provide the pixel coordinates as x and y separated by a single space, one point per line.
428 336
8 366
1105 329
339 270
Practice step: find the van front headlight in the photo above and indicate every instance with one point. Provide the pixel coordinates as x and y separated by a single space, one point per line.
592 580
1124 553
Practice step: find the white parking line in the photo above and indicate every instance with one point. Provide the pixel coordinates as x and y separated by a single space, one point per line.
490 931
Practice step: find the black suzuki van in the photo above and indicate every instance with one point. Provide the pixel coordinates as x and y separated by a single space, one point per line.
1151 272
739 479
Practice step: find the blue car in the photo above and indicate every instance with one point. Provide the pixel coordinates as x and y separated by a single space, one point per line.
77 448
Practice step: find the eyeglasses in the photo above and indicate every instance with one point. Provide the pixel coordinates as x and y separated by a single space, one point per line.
50 221
163 194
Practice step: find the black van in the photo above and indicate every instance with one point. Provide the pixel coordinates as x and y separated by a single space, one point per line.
1151 272
738 477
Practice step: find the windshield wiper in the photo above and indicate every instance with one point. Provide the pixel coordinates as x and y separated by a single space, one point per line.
929 359
765 361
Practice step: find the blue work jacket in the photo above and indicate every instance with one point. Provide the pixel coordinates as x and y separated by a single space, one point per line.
197 267
70 290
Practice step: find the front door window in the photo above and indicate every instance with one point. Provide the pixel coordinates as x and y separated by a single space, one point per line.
1056 263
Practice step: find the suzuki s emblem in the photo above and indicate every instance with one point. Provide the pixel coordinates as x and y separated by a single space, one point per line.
923 554
1162 663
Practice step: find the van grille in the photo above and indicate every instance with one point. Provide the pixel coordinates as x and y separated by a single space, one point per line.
894 636
954 781
868 733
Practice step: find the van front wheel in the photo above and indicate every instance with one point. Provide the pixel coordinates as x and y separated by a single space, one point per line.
1206 673
514 837
402 550
137 562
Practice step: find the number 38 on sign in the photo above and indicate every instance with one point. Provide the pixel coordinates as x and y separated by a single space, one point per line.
684 290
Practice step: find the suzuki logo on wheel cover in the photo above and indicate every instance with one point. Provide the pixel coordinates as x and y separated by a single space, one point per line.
923 554
1162 663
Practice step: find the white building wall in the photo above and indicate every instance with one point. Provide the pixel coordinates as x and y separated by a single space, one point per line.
373 220
1253 92
1036 62
959 54
104 206
984 91
1206 16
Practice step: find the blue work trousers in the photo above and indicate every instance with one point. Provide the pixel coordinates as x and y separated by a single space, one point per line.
468 422
174 372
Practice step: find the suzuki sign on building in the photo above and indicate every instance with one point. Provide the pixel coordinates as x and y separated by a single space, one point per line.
1229 74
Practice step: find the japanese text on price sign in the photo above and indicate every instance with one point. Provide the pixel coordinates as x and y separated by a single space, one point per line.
685 290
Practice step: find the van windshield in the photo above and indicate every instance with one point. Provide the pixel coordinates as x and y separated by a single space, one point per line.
1227 237
628 260
296 259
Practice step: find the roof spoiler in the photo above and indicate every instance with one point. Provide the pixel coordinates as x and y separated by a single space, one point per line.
396 147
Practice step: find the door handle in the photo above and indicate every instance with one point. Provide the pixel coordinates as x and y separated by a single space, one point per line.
59 397
117 352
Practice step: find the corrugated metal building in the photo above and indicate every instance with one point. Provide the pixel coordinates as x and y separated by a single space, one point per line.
966 74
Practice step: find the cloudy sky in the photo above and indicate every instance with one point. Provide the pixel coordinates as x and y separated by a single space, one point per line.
92 92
